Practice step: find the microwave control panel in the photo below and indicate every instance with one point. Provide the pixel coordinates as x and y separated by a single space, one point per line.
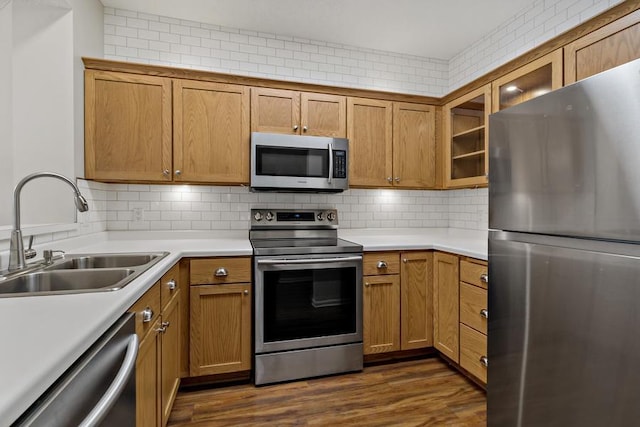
339 164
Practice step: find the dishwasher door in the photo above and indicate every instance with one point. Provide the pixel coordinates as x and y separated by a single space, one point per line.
99 389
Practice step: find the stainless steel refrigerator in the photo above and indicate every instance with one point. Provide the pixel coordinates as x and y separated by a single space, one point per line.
564 256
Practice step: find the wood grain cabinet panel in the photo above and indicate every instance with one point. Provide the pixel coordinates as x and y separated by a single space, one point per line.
370 134
381 314
414 147
220 270
473 300
170 357
612 45
148 374
446 304
474 272
220 329
416 305
298 113
210 132
473 352
127 127
379 263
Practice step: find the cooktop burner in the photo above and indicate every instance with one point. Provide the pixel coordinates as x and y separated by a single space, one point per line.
296 232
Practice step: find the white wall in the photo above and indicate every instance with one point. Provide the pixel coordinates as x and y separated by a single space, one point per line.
534 25
138 37
42 106
88 40
6 116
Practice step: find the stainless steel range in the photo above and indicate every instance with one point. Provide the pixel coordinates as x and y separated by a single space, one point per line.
308 295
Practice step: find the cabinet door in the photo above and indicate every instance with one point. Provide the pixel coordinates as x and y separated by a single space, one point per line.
466 136
148 380
446 304
381 314
610 46
211 132
220 329
170 349
323 115
414 147
275 111
370 133
127 127
416 307
534 79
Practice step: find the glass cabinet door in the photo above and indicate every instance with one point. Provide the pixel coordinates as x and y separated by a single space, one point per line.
534 79
466 137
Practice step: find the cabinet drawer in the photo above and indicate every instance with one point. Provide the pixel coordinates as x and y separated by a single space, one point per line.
147 310
220 270
473 273
169 285
376 263
473 350
473 300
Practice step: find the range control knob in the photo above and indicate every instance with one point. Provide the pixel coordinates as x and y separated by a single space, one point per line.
320 216
269 216
331 216
258 216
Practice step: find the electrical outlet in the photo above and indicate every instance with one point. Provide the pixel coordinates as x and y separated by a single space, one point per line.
138 214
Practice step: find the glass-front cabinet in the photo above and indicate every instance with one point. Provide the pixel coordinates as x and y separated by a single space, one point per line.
466 122
527 82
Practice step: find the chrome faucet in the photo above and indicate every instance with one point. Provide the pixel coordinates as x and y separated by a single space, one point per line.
16 250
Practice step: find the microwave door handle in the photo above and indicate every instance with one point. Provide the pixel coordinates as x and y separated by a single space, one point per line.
330 163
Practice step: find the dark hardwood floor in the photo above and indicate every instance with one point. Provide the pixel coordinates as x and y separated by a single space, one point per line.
423 392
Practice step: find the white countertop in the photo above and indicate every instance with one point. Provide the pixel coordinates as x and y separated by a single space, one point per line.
42 336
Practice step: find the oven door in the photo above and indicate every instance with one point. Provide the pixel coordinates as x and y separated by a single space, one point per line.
307 302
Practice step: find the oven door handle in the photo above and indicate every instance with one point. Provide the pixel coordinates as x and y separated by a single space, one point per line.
307 260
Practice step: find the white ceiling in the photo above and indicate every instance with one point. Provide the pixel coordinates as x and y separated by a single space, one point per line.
427 28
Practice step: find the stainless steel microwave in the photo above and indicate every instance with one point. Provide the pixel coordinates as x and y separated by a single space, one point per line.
310 164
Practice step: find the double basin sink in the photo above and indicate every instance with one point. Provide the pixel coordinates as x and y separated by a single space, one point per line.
79 274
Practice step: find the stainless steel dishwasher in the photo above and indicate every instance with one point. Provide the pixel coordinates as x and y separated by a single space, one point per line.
99 389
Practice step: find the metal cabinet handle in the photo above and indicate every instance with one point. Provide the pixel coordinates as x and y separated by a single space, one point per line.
304 128
178 172
485 361
366 284
165 172
295 127
246 292
117 386
171 284
382 264
147 314
221 272
162 329
389 179
405 260
484 313
397 179
484 278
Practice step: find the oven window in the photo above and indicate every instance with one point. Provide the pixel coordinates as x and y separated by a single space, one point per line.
309 303
302 162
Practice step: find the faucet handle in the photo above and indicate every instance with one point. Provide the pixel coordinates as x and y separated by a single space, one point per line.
47 255
30 253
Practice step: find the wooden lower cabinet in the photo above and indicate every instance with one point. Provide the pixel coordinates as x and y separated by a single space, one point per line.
397 302
148 379
446 304
474 315
416 302
220 319
473 352
170 356
381 314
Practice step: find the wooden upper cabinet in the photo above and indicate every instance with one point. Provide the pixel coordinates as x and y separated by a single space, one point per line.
466 136
127 127
298 113
414 147
275 111
210 132
610 46
370 134
527 82
323 115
